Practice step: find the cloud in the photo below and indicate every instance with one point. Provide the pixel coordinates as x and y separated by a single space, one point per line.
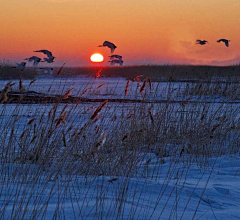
230 62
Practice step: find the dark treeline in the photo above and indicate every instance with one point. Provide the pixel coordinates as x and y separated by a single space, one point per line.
155 73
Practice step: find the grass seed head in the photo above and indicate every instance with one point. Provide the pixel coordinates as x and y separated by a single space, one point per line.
127 88
60 69
100 107
65 96
33 81
31 121
85 91
137 78
100 86
98 73
143 86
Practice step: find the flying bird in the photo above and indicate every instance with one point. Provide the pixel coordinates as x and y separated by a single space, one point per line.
47 52
201 42
35 60
224 41
108 44
21 65
115 56
113 62
49 55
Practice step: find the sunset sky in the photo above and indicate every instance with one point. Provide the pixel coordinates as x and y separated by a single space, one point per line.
144 31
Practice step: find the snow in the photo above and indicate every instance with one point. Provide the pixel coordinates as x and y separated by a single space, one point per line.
183 193
158 188
114 88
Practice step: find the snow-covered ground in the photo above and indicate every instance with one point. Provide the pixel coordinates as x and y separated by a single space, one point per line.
170 187
113 87
174 191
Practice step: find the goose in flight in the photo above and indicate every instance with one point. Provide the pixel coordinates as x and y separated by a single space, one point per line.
224 41
35 60
113 62
201 42
21 65
108 44
115 56
49 55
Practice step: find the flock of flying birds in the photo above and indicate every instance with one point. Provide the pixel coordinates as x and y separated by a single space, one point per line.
36 60
203 42
114 59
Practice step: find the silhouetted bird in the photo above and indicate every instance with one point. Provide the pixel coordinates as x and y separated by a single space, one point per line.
49 54
201 42
21 65
35 60
115 56
224 41
109 45
120 62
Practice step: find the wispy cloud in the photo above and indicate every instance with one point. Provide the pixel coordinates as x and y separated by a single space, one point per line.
233 61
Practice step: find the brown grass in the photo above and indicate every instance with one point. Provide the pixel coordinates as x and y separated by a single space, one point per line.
65 96
127 88
47 156
98 74
60 69
99 109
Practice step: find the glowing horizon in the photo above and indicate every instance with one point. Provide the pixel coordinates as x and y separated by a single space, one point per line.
145 32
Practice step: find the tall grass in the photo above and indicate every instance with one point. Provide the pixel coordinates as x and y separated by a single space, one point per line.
63 161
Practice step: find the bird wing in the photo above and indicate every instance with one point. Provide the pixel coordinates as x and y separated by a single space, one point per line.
198 40
111 57
109 44
47 52
112 49
118 56
30 59
226 43
34 58
48 60
106 43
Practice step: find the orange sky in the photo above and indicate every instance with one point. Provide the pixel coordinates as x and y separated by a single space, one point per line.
145 31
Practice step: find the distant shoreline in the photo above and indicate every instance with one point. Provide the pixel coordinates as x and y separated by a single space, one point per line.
157 73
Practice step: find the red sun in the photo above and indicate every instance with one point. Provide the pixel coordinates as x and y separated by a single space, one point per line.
97 58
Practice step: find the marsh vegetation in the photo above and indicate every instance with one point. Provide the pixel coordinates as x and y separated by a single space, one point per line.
161 157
